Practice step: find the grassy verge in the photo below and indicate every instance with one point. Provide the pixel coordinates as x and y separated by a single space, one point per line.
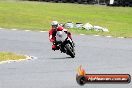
37 16
10 56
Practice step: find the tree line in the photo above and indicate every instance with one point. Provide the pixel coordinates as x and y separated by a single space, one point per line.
102 2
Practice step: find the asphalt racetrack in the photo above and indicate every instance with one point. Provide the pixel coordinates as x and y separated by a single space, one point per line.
57 70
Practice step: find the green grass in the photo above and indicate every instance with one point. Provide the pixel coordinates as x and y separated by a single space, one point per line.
37 16
10 56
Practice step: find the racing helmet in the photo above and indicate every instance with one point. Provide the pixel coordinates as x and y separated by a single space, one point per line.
54 24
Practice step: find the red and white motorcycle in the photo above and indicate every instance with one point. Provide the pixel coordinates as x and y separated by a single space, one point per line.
65 43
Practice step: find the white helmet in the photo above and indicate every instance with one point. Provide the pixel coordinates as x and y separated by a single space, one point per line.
54 23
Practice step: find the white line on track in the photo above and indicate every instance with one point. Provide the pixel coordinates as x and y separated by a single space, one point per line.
96 35
13 29
42 31
120 37
26 30
82 34
1 28
109 36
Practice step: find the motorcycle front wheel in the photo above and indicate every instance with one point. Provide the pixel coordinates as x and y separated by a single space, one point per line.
70 50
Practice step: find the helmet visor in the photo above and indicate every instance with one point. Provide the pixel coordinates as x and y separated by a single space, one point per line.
54 26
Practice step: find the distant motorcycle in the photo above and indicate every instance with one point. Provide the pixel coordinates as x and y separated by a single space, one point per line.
65 43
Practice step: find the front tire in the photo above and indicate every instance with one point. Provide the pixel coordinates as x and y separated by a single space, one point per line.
70 50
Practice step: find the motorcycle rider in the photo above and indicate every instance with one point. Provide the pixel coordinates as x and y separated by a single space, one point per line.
52 33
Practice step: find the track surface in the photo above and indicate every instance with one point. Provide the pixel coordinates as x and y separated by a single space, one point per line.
55 70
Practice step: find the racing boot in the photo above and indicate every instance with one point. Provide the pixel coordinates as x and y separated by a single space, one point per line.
55 47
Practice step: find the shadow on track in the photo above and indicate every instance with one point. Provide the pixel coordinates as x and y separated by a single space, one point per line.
61 58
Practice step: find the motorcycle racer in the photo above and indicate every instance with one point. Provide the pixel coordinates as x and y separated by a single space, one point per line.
52 33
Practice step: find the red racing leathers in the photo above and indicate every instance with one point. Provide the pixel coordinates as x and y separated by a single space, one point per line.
52 34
